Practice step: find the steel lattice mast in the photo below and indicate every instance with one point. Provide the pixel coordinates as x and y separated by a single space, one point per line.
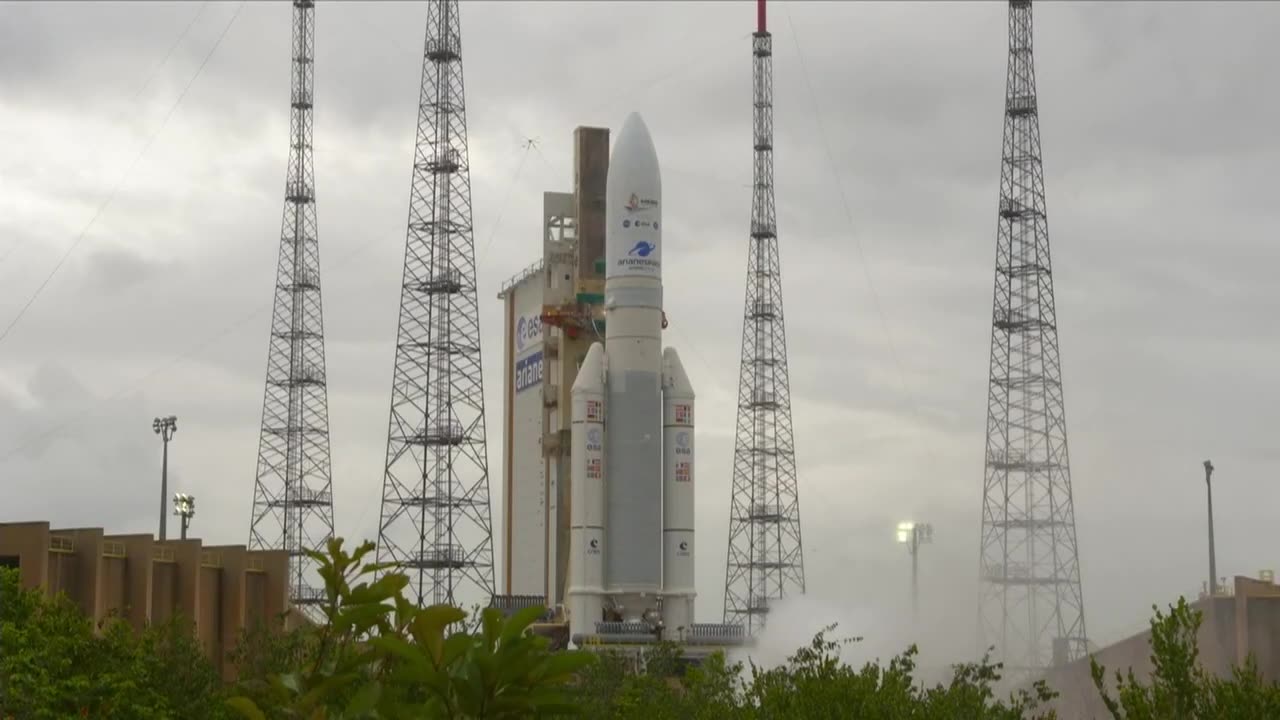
1032 608
765 559
435 496
293 492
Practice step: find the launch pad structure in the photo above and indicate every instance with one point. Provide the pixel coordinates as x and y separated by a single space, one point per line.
554 312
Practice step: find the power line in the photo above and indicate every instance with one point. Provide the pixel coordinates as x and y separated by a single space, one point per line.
154 74
199 347
120 183
848 213
529 144
173 360
634 91
237 324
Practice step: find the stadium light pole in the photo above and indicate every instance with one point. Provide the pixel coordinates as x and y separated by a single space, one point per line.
913 535
184 506
1213 560
165 427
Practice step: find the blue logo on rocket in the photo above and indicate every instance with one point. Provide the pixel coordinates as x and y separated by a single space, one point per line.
642 249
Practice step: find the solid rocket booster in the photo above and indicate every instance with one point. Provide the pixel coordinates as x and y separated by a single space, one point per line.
632 513
677 493
586 520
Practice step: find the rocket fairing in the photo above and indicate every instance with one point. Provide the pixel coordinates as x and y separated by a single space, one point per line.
631 519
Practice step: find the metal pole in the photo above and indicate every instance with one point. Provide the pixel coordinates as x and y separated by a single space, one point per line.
164 485
185 520
1213 562
915 596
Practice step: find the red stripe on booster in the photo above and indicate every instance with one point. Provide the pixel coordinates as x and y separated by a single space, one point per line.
760 16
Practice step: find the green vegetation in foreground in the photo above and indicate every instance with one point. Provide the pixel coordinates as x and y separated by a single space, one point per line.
379 657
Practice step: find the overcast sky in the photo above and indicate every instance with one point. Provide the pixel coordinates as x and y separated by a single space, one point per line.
1157 123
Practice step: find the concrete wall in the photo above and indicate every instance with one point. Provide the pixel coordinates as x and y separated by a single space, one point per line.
209 624
114 593
275 567
29 542
88 569
230 600
138 577
1233 626
164 591
217 589
63 574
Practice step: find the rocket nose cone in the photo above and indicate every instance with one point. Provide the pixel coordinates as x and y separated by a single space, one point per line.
634 123
635 133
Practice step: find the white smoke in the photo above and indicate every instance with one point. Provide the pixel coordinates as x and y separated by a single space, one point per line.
880 636
794 621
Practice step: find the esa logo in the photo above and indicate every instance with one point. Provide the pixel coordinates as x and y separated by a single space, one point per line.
682 444
528 329
593 439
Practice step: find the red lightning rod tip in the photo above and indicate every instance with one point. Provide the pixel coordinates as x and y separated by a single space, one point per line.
760 16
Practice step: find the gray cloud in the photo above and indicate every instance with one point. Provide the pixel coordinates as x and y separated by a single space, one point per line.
1155 122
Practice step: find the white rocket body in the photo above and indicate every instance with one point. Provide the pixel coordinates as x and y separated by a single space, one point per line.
677 493
632 502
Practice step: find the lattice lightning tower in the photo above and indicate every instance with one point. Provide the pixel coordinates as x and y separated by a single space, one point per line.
435 494
1031 607
765 560
293 492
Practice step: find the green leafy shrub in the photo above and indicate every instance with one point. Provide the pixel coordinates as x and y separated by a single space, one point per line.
379 656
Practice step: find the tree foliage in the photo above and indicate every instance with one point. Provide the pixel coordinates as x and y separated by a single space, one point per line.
1180 688
54 665
377 655
813 683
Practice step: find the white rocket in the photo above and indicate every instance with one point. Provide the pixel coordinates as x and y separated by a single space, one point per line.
631 520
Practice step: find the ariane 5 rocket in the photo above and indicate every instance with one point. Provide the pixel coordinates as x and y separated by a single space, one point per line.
631 517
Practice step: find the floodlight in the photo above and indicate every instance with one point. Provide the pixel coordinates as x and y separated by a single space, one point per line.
184 504
905 530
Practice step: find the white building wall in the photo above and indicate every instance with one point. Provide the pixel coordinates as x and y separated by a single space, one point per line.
524 541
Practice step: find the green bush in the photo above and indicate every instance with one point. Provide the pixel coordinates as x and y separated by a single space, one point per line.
378 656
813 683
54 665
1180 688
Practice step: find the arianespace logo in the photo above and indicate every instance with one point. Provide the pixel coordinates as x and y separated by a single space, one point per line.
642 249
528 371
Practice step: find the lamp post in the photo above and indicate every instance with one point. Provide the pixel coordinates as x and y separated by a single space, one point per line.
184 506
913 535
165 427
1213 561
